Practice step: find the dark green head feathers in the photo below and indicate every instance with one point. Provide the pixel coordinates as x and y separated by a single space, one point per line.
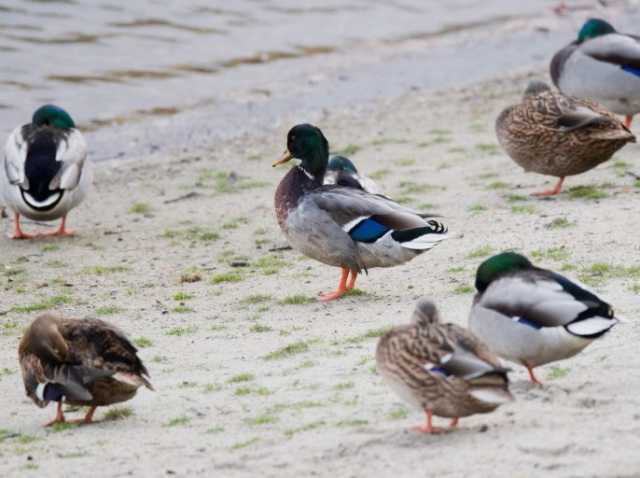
307 143
51 115
498 265
594 27
340 163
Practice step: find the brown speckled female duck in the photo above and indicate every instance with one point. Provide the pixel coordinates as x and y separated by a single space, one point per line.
79 362
441 369
550 133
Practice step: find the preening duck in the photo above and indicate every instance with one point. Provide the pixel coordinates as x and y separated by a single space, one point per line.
550 133
45 172
533 316
80 362
344 226
441 369
601 64
343 172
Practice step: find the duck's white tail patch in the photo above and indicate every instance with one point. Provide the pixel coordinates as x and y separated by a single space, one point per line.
132 379
591 327
493 395
424 243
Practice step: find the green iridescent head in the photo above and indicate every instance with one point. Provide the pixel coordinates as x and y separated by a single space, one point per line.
307 143
594 27
51 115
498 265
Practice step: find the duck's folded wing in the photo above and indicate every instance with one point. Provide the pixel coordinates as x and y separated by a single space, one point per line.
15 155
549 300
581 117
72 381
617 49
72 154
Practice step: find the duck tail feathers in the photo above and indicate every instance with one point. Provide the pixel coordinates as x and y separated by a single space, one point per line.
421 238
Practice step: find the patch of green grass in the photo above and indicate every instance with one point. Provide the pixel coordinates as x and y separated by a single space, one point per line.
411 187
559 223
295 406
108 310
288 350
261 420
523 209
211 387
235 223
223 182
105 270
181 309
620 167
490 149
304 428
455 269
258 328
380 174
179 296
140 208
245 444
142 342
354 422
50 248
180 331
553 253
297 299
62 426
370 334
557 372
497 185
476 208
193 234
405 162
49 303
598 273
463 289
587 192
242 377
178 421
226 277
118 413
256 299
269 265
398 414
516 198
343 386
483 251
216 429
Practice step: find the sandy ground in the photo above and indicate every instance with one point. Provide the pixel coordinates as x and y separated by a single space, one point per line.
254 377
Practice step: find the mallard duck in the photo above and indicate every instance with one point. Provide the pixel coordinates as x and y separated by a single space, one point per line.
533 316
549 133
45 172
80 362
344 226
441 369
343 172
603 65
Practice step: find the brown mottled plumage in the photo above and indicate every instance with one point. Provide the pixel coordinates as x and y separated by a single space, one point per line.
441 368
550 133
81 362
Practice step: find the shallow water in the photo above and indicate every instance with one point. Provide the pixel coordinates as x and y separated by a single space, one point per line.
219 68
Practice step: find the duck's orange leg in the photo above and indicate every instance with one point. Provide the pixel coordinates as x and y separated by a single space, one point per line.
88 418
454 422
59 417
627 121
532 376
18 233
62 230
342 287
428 426
352 281
551 192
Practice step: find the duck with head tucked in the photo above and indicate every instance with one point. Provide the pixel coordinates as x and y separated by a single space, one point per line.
441 369
533 316
602 64
550 133
343 172
344 226
80 362
45 171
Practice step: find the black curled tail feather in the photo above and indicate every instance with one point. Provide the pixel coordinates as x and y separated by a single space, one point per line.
406 235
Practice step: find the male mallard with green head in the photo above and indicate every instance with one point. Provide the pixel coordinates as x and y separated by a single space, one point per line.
441 369
344 226
602 64
80 362
45 172
550 133
533 316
